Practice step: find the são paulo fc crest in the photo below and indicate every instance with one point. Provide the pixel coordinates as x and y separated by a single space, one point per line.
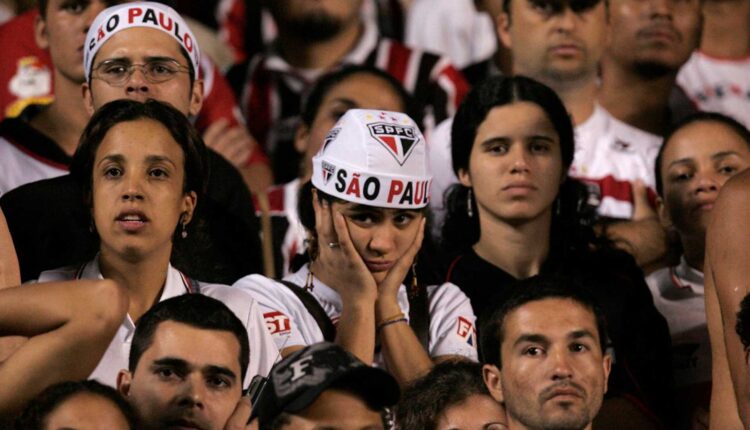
330 137
398 139
328 171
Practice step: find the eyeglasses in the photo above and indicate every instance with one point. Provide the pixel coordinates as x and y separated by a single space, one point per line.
118 72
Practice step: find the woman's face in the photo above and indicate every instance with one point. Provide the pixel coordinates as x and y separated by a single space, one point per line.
696 163
137 189
86 411
358 91
515 165
381 236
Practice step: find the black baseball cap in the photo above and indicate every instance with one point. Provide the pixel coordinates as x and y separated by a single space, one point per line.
297 381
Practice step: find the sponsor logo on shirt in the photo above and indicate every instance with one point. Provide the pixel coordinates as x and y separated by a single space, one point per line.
277 323
466 331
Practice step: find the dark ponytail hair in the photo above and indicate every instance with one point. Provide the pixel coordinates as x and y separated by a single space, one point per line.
571 210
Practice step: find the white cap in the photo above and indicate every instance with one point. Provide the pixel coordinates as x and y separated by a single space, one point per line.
376 158
147 14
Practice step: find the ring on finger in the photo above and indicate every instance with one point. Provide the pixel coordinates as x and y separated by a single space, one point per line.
334 245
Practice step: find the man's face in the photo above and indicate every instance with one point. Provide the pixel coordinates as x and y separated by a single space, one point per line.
336 410
554 41
554 374
63 31
137 46
187 378
655 37
321 20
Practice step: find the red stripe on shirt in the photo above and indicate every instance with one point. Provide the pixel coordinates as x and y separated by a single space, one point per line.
398 61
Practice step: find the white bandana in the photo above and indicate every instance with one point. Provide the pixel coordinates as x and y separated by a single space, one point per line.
114 19
376 158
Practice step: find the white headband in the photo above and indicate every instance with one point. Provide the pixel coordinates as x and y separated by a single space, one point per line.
375 158
138 14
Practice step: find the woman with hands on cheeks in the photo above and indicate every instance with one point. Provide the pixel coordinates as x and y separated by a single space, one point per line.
365 213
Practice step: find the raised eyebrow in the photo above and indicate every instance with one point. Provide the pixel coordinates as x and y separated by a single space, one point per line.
581 334
724 154
160 159
345 100
177 363
532 338
494 140
220 370
680 161
117 158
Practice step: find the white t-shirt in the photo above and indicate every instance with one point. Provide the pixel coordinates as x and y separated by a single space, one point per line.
718 85
453 28
609 156
452 322
679 296
20 166
263 352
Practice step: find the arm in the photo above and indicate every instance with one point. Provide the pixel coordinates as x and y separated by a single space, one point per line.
403 353
73 324
727 250
10 274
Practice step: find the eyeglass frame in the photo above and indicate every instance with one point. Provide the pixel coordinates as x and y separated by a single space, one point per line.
142 66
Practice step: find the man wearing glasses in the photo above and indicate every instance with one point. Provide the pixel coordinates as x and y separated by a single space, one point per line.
139 51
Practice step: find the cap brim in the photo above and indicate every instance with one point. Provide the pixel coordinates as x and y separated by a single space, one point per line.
376 387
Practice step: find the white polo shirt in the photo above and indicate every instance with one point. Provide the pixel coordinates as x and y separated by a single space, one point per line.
609 156
679 296
263 352
452 322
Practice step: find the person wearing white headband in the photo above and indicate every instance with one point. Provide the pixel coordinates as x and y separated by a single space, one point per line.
365 214
142 50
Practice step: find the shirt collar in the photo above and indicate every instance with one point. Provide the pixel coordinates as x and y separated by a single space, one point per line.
684 276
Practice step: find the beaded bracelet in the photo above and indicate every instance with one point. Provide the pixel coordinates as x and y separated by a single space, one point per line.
389 322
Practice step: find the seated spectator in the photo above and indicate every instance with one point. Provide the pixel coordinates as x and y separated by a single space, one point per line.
726 274
142 199
351 87
698 156
40 81
517 214
188 357
315 38
452 396
323 386
545 354
365 214
69 325
43 217
78 405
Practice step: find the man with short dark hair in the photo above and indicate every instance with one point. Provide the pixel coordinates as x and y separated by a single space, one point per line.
187 361
545 355
323 386
315 38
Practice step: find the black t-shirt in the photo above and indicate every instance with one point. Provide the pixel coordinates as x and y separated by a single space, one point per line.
639 333
50 226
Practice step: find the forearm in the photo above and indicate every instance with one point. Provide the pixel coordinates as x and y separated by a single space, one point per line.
10 274
646 240
404 355
356 330
66 343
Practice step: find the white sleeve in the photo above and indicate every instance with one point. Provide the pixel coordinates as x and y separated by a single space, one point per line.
452 322
286 318
263 350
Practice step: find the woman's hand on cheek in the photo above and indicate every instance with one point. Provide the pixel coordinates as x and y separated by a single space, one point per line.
338 261
388 288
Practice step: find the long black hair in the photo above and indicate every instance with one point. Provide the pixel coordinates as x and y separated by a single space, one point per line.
572 217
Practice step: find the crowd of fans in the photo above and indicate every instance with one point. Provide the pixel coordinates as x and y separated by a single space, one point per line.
375 214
